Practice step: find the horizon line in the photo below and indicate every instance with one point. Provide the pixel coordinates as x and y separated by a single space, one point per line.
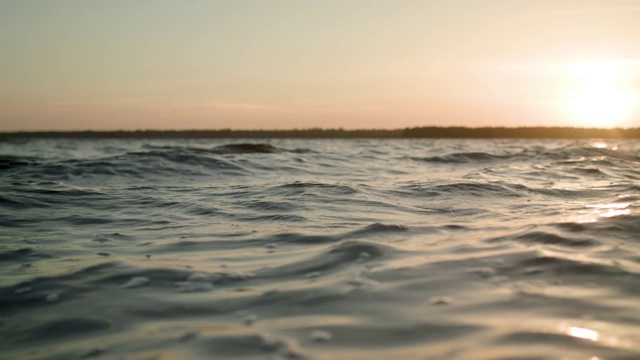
433 132
342 129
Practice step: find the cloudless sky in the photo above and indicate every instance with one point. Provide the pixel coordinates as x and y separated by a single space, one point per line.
277 64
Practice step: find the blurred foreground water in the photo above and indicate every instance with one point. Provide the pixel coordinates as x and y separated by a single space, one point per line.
319 249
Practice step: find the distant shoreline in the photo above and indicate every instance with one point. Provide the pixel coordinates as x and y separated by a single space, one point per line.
432 132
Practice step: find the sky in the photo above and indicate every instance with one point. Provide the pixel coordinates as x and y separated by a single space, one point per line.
284 64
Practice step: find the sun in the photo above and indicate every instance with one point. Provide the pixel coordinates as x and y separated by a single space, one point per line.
601 97
600 107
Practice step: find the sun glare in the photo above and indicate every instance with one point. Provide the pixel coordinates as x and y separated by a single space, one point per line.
601 97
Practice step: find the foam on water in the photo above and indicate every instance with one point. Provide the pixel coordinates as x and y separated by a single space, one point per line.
319 249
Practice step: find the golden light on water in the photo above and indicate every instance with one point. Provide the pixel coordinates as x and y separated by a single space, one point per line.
602 96
604 145
602 336
597 211
583 333
611 210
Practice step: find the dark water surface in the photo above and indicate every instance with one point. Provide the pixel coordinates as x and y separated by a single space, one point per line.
325 249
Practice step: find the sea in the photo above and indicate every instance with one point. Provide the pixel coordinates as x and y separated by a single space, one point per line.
319 249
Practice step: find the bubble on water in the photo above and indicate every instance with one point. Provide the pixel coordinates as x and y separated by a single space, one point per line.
197 277
533 270
270 293
313 275
500 279
483 272
320 336
195 286
238 275
93 353
440 300
190 335
357 281
53 297
364 256
249 319
101 238
135 282
196 282
288 348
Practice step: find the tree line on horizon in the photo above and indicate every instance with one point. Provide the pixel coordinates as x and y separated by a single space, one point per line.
537 132
457 132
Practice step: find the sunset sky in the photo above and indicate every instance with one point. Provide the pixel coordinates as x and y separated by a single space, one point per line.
279 64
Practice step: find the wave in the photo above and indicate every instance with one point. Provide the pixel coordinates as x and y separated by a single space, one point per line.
621 226
153 163
301 187
547 238
246 148
479 189
8 162
466 157
569 154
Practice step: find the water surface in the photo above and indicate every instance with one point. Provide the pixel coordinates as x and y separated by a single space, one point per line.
319 249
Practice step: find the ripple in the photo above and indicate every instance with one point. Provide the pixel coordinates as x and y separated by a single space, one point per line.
546 238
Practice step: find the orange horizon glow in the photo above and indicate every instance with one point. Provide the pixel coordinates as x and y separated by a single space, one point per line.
352 64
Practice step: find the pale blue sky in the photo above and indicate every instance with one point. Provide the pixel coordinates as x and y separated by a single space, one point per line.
299 63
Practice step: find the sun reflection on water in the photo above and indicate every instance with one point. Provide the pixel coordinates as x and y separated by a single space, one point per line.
602 336
604 145
604 211
583 333
613 213
611 210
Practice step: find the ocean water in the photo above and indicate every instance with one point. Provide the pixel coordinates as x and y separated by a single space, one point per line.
319 249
